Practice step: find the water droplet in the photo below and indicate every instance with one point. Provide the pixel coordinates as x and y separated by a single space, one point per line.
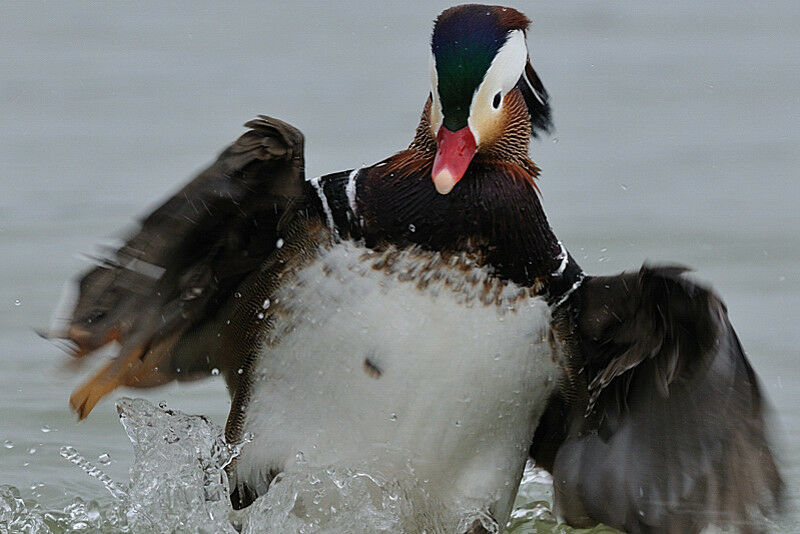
46 429
623 187
300 457
69 453
412 228
260 315
162 405
104 459
8 444
215 371
17 302
265 304
279 243
32 450
393 417
555 140
458 423
237 295
239 371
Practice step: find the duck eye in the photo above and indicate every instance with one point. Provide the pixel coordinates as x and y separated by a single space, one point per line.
496 101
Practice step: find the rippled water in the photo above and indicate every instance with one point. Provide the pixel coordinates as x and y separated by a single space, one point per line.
677 139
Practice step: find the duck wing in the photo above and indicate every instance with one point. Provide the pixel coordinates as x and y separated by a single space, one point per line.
160 292
661 425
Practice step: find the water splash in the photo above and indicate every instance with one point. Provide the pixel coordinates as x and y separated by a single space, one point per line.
72 455
178 484
331 500
533 513
19 515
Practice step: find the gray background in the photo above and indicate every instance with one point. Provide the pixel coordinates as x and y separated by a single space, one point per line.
677 139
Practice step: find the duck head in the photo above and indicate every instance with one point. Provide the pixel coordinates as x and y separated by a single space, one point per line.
486 99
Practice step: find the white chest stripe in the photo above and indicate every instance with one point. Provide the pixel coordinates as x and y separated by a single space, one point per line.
569 292
564 257
324 200
350 190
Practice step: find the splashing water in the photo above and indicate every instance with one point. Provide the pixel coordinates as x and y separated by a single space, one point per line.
178 484
69 453
329 501
179 463
333 500
17 515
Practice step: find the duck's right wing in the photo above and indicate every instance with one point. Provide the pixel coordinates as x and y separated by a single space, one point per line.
162 293
661 426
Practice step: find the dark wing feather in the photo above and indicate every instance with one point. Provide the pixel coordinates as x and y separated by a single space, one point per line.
661 427
157 294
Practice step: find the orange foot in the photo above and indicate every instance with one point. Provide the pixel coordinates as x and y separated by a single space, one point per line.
109 378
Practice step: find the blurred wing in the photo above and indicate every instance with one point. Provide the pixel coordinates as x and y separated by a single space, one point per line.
663 429
156 294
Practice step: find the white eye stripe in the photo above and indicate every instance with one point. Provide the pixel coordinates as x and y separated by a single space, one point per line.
436 104
508 65
501 77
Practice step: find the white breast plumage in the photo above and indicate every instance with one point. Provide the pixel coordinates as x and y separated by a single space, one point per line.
401 358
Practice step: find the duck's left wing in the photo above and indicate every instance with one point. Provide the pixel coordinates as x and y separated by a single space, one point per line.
660 424
159 292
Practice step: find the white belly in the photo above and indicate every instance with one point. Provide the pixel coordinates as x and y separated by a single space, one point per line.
363 368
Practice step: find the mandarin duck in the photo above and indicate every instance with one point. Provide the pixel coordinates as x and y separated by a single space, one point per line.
419 315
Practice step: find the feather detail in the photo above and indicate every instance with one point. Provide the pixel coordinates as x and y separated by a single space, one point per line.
496 202
536 100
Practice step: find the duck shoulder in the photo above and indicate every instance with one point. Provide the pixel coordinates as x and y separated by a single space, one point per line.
659 425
